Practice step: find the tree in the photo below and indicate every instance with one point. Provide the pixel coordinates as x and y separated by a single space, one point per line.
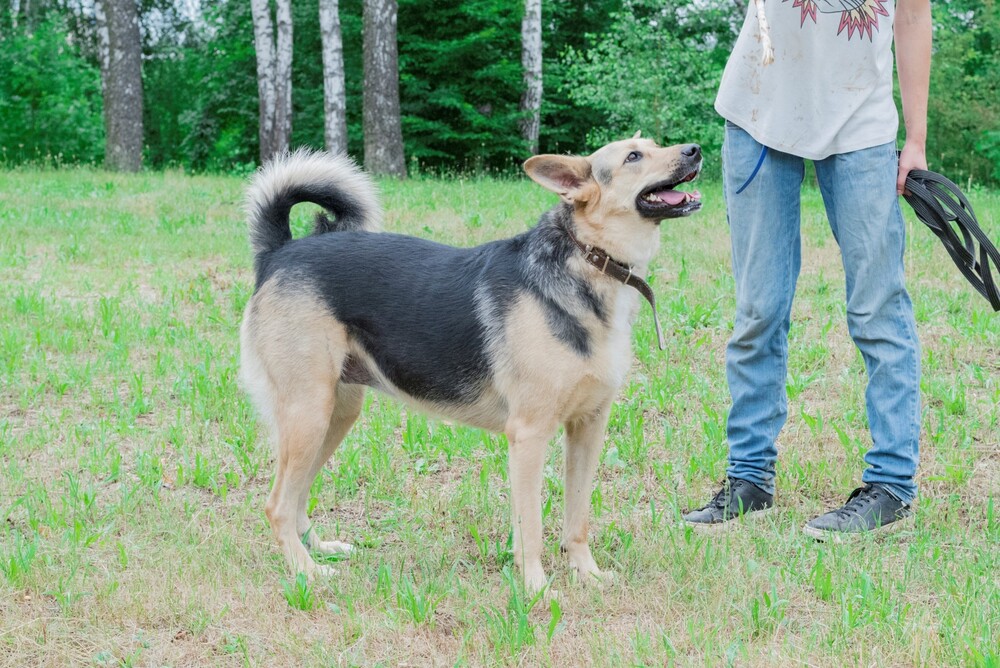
531 61
382 122
121 82
460 83
274 74
50 98
334 90
963 114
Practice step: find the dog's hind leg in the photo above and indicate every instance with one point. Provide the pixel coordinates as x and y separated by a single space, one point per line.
584 439
302 424
346 408
528 441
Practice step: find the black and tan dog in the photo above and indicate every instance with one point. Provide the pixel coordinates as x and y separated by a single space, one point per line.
517 336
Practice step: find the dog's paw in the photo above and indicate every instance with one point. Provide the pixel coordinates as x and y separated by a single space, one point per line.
320 571
593 577
333 547
536 582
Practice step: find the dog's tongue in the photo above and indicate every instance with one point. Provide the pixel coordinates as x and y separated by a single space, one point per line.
671 197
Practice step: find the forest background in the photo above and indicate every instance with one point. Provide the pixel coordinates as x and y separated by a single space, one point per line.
610 67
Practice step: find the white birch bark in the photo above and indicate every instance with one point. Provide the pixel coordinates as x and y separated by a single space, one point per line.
103 47
382 122
274 84
263 41
531 62
283 83
334 88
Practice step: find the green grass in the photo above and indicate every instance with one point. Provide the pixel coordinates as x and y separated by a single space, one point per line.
133 475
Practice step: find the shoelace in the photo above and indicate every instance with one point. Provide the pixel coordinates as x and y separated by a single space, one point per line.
858 499
720 499
724 496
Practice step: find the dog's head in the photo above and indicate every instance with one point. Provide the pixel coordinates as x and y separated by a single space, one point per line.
623 190
634 175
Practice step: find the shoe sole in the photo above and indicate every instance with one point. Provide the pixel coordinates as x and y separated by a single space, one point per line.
841 537
718 527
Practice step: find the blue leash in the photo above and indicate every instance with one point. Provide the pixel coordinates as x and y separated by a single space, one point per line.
760 161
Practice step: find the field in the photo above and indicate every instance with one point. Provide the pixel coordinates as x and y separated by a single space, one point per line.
133 475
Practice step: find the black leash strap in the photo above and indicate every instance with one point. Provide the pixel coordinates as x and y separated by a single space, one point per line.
939 204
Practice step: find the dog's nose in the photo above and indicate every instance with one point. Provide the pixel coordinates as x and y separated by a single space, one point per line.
691 151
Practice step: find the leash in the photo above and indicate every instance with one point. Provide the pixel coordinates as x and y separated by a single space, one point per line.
939 204
599 258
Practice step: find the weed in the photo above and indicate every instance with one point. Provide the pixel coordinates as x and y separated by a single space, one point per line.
299 593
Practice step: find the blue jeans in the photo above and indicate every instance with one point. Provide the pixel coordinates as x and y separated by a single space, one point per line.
859 193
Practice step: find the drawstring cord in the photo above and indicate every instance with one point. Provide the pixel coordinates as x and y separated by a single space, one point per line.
760 161
767 57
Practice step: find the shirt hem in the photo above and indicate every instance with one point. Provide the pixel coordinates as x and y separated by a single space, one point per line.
746 125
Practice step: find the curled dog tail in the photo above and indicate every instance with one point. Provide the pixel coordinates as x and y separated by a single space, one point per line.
333 182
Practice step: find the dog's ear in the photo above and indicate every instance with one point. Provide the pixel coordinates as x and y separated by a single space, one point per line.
566 175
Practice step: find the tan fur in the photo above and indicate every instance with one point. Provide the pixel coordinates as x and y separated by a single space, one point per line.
292 356
574 394
606 217
293 353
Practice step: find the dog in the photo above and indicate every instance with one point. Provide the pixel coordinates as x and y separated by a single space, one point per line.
518 336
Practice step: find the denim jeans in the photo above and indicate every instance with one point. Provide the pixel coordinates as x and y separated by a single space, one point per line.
859 193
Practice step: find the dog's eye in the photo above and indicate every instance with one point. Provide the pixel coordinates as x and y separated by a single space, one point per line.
633 156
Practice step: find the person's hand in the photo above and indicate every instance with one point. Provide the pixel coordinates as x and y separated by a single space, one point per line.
911 157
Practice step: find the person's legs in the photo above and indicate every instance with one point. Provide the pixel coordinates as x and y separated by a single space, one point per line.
766 253
859 191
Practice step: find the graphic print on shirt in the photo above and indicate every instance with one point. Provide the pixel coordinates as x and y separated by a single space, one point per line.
859 16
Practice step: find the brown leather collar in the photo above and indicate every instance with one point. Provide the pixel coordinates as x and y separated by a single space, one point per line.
599 258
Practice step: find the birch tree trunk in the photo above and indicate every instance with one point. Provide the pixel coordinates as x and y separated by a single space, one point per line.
382 122
531 62
103 48
334 89
274 75
120 50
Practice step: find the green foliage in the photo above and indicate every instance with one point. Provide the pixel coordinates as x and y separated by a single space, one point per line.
460 82
611 67
299 593
963 115
201 97
656 69
50 98
565 25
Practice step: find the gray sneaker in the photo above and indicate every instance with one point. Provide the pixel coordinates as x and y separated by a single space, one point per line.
868 509
736 498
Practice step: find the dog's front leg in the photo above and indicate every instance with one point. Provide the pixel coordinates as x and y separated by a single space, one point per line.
528 441
584 440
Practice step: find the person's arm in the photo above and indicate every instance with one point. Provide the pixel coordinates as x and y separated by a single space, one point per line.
912 30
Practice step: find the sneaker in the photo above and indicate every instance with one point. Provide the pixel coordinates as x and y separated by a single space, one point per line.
736 498
868 509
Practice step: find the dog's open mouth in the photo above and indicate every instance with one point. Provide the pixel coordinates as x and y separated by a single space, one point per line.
663 200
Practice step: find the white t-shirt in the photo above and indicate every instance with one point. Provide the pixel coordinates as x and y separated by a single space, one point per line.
829 89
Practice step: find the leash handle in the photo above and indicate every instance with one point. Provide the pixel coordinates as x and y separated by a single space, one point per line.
939 204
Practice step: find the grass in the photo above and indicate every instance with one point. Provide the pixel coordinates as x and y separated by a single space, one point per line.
133 476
